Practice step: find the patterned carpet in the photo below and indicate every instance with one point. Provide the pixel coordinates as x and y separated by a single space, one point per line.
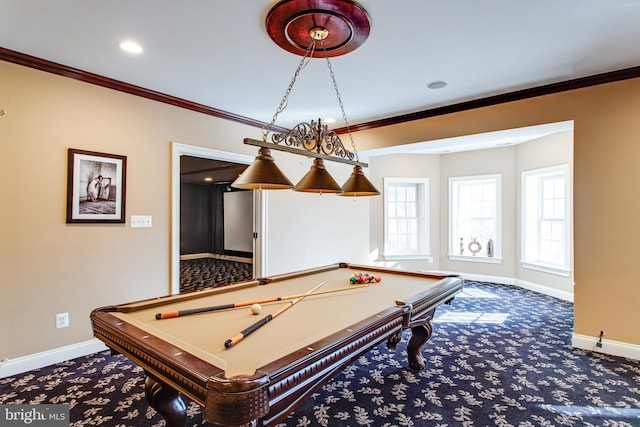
499 356
196 274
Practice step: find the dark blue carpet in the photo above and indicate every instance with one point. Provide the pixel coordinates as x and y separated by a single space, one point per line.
499 356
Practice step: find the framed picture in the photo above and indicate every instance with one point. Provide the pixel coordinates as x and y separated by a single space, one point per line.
95 187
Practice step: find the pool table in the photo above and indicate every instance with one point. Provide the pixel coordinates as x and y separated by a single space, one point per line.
260 379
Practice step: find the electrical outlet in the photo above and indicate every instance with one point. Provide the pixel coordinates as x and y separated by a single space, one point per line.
62 320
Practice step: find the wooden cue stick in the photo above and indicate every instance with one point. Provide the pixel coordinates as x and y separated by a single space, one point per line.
242 335
186 312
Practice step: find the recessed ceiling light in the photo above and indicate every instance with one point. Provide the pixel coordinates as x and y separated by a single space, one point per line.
208 179
438 84
129 46
329 120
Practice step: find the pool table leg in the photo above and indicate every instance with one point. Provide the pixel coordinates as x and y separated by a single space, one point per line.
166 401
421 331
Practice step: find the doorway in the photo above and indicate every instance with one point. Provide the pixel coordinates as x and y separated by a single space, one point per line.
199 238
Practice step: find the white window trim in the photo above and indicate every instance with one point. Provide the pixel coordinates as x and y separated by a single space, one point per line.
424 253
538 266
407 257
546 268
485 259
497 256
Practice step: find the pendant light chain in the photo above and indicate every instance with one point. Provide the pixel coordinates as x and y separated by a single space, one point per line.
310 139
285 99
344 115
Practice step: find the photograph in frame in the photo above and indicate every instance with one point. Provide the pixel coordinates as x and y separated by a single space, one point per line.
95 187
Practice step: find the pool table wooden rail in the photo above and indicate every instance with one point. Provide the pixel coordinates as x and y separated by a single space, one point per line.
278 387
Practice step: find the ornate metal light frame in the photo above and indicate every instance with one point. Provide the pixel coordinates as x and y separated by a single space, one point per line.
313 139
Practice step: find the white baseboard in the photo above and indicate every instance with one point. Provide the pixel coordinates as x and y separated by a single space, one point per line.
546 290
195 256
613 348
216 256
535 287
40 360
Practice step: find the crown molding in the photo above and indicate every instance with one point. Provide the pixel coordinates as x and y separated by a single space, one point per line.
74 73
598 79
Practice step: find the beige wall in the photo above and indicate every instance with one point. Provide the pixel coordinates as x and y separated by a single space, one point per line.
606 210
49 267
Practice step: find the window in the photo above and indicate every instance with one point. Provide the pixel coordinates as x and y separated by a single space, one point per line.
406 234
546 217
474 222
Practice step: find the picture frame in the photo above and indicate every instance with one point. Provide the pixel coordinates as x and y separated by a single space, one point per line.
96 187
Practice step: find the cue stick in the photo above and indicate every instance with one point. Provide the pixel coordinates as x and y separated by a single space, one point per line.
186 312
242 335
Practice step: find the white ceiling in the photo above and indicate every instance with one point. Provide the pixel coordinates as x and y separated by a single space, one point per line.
217 53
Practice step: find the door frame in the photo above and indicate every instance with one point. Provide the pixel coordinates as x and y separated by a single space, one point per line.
259 208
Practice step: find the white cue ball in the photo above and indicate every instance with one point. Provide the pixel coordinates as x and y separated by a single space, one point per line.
256 309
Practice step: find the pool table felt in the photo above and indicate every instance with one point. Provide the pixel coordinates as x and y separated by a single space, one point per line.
203 335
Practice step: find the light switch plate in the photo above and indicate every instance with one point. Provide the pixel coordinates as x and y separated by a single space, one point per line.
141 221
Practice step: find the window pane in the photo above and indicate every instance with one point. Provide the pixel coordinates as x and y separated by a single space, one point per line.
402 226
545 230
401 194
411 210
559 188
547 209
476 192
391 194
557 231
558 208
548 187
401 210
392 226
411 193
412 226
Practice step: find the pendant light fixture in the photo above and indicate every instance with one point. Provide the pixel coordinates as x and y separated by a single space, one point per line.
263 174
358 185
293 24
318 180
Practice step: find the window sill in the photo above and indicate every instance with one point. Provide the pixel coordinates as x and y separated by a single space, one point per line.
558 271
407 257
485 259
